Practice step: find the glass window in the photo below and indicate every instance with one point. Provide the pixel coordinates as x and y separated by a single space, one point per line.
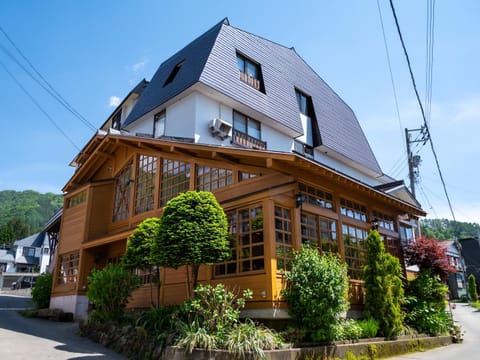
249 72
175 179
353 210
68 268
210 179
123 187
283 237
246 242
159 124
77 199
145 183
316 197
28 251
355 250
384 221
319 232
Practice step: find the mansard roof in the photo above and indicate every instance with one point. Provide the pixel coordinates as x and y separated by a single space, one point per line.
210 60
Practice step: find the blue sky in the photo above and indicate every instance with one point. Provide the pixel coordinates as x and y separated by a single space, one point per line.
93 52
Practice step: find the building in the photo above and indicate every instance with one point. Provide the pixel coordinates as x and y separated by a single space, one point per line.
249 120
470 248
28 257
457 284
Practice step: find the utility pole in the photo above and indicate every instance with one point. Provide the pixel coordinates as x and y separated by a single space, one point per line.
422 136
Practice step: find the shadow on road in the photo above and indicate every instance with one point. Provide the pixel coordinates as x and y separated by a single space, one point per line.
66 334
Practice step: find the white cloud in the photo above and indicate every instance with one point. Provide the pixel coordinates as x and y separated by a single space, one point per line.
139 65
114 101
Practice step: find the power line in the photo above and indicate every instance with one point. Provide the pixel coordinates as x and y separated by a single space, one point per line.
421 107
39 106
390 70
45 85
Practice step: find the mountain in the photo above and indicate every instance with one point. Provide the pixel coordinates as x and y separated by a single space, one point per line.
443 229
23 213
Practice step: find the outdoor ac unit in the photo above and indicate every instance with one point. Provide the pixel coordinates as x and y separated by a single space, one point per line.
220 128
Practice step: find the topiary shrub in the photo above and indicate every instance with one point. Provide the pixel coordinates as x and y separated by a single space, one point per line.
42 290
384 293
317 292
109 290
472 288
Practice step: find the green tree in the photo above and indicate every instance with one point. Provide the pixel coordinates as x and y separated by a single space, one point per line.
317 292
109 290
42 290
383 284
472 287
193 231
139 252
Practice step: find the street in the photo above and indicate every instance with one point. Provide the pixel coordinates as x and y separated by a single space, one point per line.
469 319
26 338
23 338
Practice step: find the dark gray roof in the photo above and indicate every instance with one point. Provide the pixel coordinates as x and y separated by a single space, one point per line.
194 56
35 240
211 60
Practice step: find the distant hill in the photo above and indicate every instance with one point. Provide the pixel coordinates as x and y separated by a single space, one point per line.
443 229
23 213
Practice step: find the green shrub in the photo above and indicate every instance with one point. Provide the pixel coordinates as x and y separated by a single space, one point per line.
42 290
159 322
215 309
109 290
472 288
369 327
348 329
317 292
248 340
426 306
384 293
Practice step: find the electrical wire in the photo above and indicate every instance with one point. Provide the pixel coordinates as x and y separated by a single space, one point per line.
421 108
45 85
38 105
391 77
430 32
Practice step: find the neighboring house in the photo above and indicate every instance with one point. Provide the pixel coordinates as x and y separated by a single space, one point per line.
456 281
30 256
52 229
471 254
249 120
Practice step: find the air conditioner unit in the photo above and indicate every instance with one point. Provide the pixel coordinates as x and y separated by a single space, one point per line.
220 128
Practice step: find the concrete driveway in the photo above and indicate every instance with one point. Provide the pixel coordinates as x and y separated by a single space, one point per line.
30 338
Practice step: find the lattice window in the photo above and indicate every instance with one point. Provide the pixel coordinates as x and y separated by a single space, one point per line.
77 199
242 175
384 221
145 183
317 197
123 188
175 179
355 249
68 268
246 241
319 232
353 210
283 237
210 179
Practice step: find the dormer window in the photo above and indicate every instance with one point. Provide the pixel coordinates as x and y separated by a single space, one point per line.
250 72
117 120
305 143
174 73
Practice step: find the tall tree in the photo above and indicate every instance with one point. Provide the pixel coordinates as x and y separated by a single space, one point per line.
193 231
384 289
139 252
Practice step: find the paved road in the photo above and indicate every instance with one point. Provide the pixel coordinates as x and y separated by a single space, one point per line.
469 319
24 338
